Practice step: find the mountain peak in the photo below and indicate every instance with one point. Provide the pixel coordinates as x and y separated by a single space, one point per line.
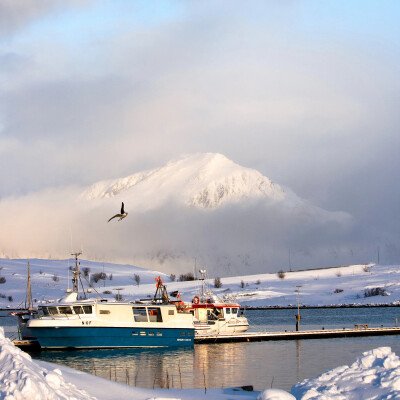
202 180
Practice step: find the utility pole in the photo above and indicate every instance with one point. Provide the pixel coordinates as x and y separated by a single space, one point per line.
298 308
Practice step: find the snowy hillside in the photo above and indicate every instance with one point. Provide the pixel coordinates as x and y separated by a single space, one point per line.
330 286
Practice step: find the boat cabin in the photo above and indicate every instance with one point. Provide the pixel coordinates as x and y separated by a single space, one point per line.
213 312
112 312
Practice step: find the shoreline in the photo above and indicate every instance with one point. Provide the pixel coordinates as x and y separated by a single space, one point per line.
316 307
303 307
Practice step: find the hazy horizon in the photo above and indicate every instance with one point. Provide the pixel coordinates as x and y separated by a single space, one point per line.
306 93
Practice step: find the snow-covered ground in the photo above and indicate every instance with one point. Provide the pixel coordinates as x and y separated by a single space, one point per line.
319 287
374 375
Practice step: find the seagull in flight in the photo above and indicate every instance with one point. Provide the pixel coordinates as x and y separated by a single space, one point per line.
120 216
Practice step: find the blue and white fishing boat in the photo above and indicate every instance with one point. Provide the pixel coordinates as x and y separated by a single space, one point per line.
99 323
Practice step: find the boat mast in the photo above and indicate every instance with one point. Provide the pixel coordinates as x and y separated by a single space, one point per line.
203 275
75 274
28 295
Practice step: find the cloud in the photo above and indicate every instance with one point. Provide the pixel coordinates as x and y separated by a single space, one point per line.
16 14
311 104
245 237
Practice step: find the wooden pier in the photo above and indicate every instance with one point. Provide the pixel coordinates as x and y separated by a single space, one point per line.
294 335
29 345
359 330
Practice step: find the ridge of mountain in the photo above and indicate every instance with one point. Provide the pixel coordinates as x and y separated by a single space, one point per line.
203 180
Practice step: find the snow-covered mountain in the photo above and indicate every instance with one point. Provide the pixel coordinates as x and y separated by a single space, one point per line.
202 180
201 206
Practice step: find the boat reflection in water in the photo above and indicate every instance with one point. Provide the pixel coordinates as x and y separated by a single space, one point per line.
261 364
218 365
143 367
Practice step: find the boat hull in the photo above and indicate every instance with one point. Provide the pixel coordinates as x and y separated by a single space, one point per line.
111 337
204 328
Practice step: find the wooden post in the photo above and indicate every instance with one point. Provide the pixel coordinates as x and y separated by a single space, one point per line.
297 322
298 309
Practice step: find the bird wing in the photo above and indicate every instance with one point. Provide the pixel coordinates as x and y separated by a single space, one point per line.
115 216
122 208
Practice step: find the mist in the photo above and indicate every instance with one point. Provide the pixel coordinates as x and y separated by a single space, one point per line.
306 93
244 238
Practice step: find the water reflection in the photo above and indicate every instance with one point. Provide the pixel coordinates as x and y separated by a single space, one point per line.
148 368
298 358
279 364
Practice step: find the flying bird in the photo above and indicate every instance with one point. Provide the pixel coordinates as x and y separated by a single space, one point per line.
120 216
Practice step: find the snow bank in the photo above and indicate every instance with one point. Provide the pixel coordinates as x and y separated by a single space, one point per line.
275 394
21 378
375 375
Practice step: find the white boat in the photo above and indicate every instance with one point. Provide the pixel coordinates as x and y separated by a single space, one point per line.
99 323
213 315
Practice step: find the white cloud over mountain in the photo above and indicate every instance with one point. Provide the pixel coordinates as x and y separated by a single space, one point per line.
201 206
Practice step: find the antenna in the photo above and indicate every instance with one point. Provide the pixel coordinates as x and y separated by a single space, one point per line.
68 276
203 273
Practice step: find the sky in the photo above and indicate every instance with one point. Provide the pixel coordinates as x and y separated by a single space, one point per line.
306 92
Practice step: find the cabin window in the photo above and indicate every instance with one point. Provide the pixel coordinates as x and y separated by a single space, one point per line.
183 333
78 310
135 333
53 311
45 311
170 312
227 310
142 333
151 333
154 314
105 311
234 310
65 310
87 309
140 314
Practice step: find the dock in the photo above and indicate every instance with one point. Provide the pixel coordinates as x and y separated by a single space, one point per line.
29 345
362 330
295 335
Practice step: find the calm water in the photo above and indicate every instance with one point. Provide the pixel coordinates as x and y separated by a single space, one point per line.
278 364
